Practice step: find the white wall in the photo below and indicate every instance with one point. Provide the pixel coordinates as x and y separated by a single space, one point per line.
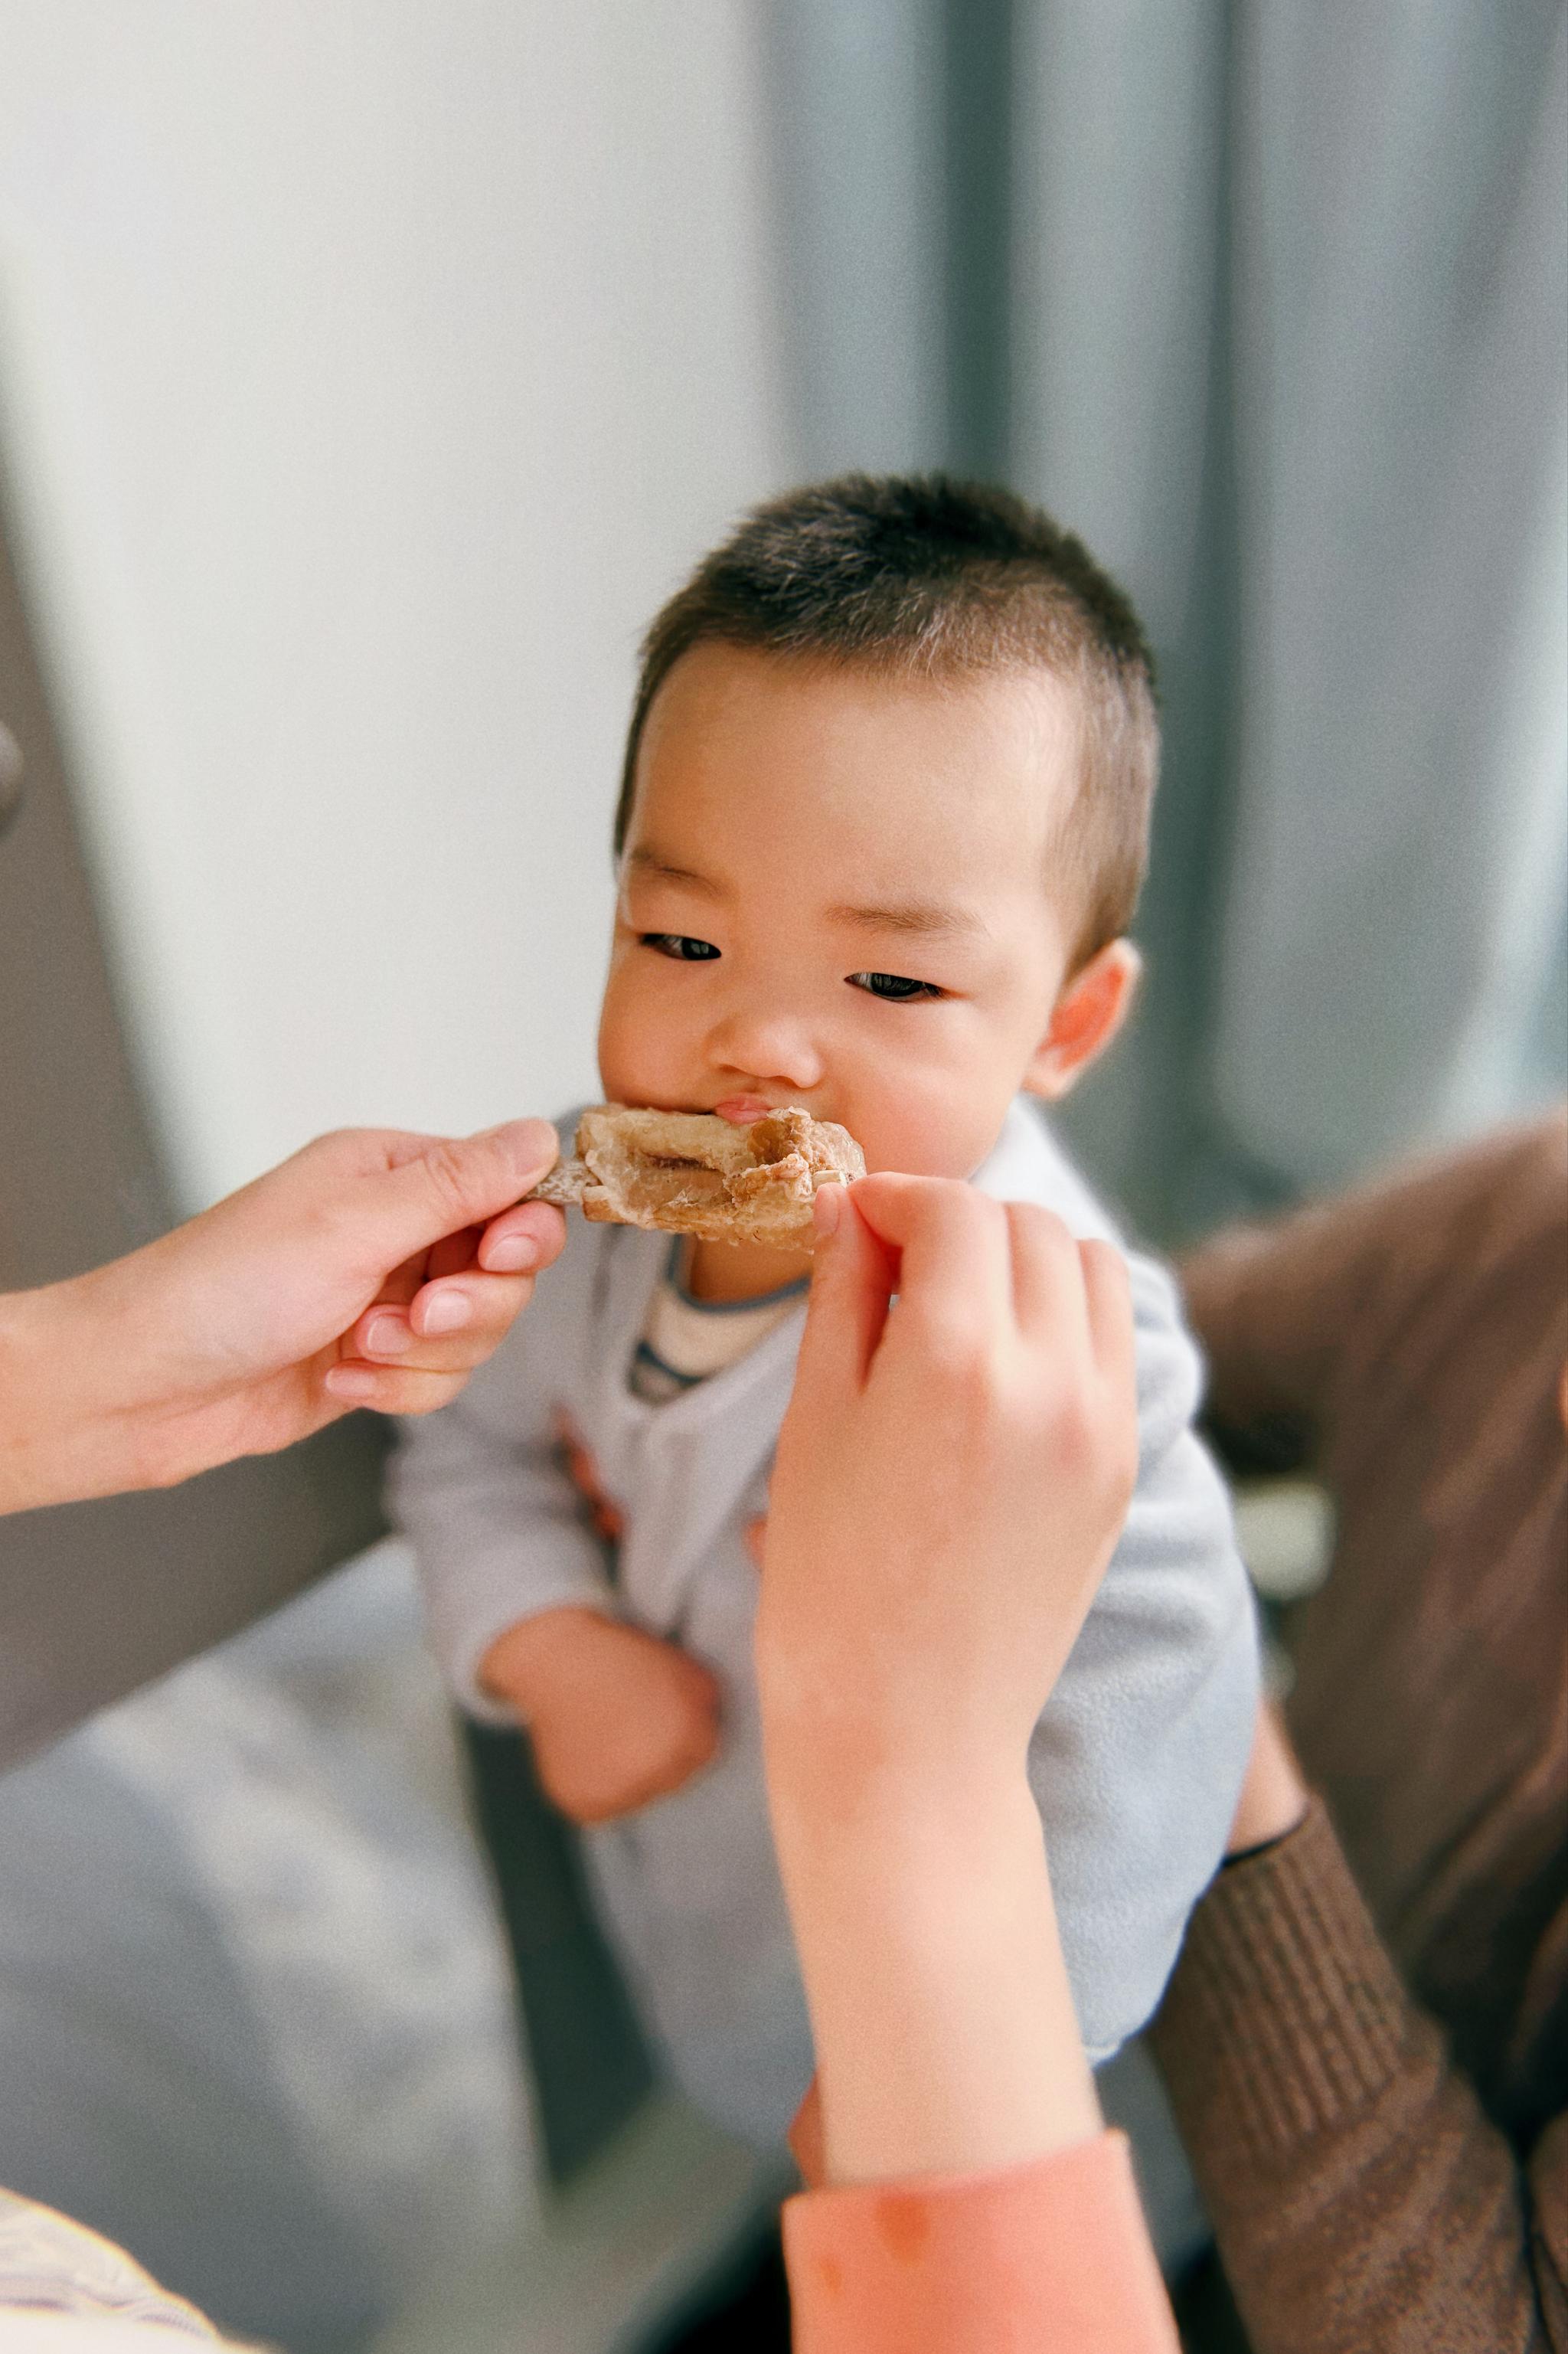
369 372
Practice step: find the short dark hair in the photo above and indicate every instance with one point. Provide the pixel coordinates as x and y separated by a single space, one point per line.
935 576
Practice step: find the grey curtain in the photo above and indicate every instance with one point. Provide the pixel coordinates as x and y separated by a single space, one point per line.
1269 300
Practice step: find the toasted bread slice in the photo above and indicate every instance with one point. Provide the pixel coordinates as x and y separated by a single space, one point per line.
694 1173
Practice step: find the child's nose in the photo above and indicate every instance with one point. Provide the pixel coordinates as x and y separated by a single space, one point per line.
757 1043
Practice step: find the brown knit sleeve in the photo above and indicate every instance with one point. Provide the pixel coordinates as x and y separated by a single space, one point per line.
1279 1308
1262 1301
1359 2197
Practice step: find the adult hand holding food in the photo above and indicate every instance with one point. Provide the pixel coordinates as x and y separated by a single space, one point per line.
374 1268
950 1482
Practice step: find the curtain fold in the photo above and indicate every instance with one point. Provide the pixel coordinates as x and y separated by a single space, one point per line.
1401 394
1281 330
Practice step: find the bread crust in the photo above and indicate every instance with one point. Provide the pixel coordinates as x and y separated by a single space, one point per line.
692 1173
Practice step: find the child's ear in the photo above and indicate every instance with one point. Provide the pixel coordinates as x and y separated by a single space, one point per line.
1085 1018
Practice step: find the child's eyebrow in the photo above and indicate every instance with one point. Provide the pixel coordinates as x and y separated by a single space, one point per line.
929 918
644 861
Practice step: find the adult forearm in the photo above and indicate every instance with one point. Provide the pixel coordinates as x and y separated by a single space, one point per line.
1360 2196
373 1268
61 1434
1277 1305
944 2024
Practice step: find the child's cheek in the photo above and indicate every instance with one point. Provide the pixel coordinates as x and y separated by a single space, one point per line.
940 1124
643 1053
622 1044
920 1137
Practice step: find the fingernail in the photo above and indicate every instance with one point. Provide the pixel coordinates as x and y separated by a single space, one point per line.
825 1211
388 1336
351 1382
510 1255
449 1311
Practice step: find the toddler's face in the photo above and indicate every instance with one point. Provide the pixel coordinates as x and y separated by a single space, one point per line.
835 894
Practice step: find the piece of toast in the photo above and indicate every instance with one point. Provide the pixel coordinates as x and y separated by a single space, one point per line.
692 1173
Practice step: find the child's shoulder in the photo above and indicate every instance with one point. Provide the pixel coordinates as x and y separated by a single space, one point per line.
1028 1164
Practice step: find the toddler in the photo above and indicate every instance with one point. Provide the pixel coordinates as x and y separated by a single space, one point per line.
883 824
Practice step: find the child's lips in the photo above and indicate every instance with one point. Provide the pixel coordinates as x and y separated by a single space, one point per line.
742 1109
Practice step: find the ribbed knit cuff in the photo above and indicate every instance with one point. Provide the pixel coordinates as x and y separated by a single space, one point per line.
1284 2016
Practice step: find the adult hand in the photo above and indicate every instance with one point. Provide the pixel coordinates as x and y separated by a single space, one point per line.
951 1478
373 1268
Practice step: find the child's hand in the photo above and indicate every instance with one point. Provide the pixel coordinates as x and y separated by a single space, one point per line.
616 1717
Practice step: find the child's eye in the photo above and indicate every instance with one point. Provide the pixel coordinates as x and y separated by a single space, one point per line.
681 946
894 985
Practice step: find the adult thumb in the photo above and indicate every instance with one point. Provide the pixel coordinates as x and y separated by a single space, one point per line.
453 1182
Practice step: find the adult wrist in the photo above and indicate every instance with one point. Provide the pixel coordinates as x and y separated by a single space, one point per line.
18 1424
945 2033
830 1794
833 1753
892 1850
57 1438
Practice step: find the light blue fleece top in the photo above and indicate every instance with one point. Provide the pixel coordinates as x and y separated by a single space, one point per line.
1135 1762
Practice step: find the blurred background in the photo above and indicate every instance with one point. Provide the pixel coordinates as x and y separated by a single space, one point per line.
368 375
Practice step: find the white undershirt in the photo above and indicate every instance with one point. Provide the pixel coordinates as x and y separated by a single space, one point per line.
687 1341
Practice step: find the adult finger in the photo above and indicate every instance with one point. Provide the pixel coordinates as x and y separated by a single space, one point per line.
1047 1276
399 1285
955 1265
1107 1296
391 1389
521 1241
453 1254
450 1326
851 1283
448 1183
